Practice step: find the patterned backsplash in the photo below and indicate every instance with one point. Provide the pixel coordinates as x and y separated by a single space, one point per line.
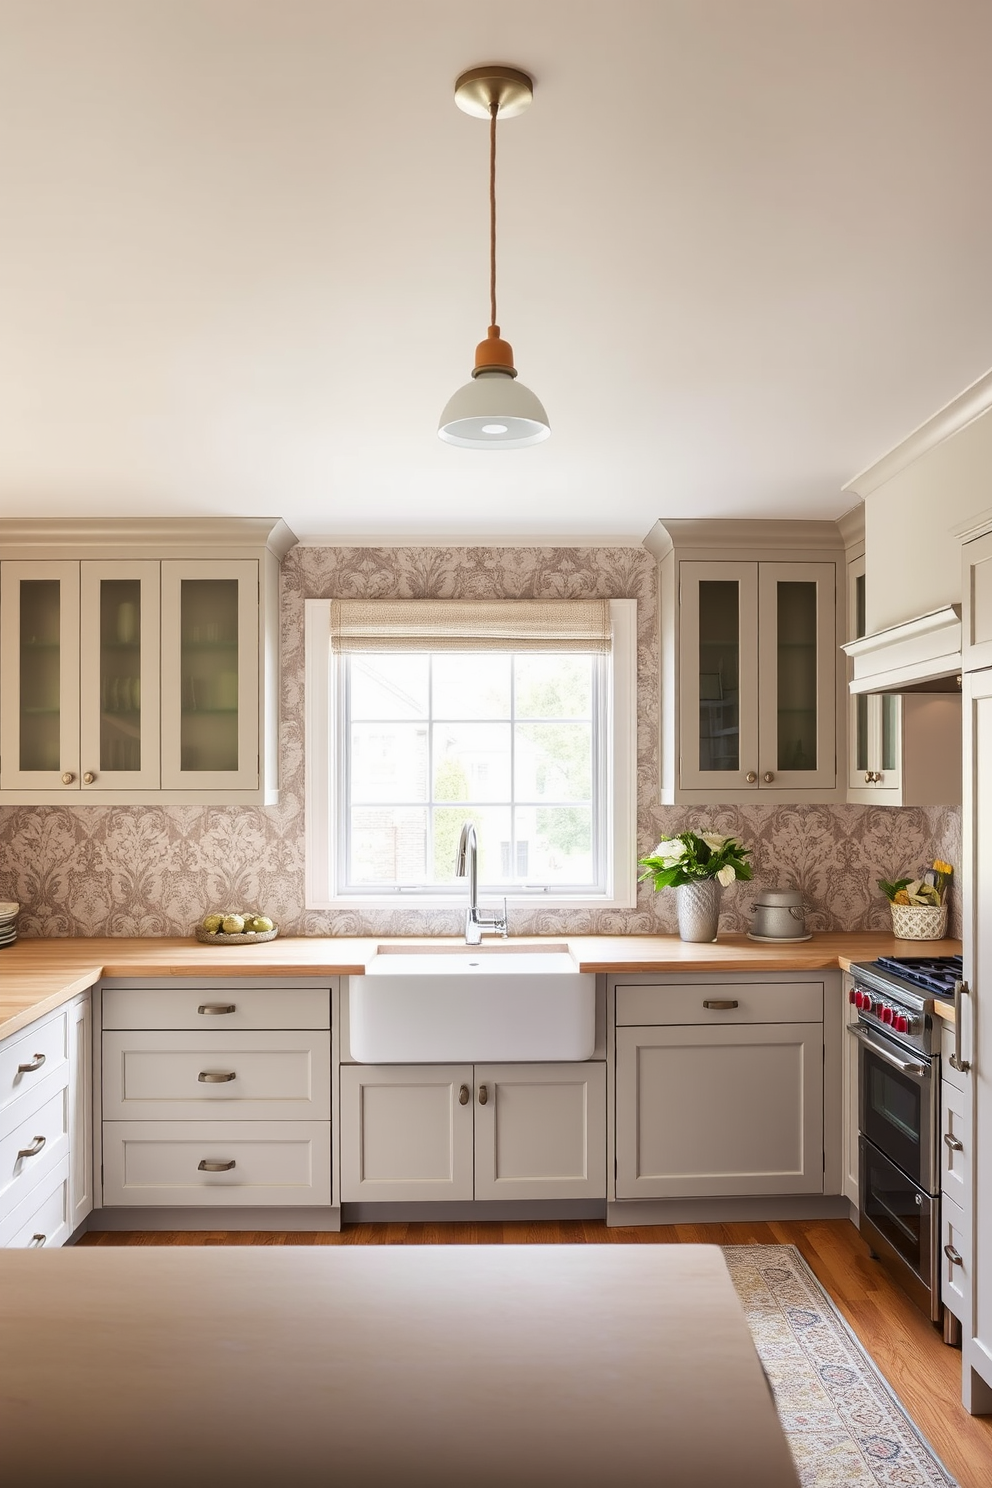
154 870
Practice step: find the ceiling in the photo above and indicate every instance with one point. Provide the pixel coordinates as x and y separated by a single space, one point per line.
744 249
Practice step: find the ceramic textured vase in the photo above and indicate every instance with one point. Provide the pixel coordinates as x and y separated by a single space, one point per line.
699 909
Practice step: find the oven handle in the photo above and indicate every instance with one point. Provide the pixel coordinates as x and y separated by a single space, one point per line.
917 1071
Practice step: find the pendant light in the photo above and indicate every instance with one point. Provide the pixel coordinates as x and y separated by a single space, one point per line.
493 411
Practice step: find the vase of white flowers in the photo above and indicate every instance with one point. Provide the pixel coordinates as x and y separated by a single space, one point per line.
700 865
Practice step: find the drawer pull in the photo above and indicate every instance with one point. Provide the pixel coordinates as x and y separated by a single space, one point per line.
720 1005
34 1149
216 1077
35 1241
954 1256
953 1142
213 1165
463 1095
217 1007
32 1065
483 1095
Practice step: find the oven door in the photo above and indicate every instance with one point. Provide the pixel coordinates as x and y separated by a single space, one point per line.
896 1106
901 1225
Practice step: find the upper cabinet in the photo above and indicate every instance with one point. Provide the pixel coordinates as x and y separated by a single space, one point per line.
902 749
131 678
749 637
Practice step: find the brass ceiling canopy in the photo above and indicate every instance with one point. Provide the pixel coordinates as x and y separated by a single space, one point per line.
508 88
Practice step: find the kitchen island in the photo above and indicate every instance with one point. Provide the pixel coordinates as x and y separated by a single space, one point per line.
424 1366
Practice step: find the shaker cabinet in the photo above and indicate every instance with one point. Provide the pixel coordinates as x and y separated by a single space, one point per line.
903 749
749 665
462 1132
140 679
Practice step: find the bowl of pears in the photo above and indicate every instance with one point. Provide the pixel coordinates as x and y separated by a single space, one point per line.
235 927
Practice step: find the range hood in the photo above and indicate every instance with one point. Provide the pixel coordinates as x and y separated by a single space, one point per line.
921 655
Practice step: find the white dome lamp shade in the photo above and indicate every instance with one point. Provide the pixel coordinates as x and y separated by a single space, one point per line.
493 411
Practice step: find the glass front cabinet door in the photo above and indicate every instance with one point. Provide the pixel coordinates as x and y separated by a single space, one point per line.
210 700
119 676
39 655
757 687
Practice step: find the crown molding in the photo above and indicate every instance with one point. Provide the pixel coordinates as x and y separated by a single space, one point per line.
462 540
161 536
963 410
851 526
759 534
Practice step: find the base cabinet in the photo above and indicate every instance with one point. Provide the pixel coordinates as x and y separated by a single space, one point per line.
462 1132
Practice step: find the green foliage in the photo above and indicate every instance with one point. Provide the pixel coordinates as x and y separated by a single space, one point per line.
690 856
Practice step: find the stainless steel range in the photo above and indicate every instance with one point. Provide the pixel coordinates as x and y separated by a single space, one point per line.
899 1113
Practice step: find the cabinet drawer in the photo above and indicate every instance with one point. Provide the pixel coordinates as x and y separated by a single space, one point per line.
955 1267
45 1048
41 1219
948 1074
216 1009
45 1134
272 1162
647 1004
955 1147
190 1076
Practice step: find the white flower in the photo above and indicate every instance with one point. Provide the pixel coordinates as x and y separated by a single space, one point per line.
670 852
726 874
714 841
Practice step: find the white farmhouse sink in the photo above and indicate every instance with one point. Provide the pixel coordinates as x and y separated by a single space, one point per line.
425 1004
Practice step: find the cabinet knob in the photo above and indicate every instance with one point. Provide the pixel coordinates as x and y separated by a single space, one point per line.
483 1095
953 1255
34 1149
89 777
212 1165
463 1095
217 1007
751 776
953 1143
216 1077
36 1241
67 777
869 777
31 1065
768 777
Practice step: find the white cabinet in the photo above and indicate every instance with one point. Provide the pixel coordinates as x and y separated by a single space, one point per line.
850 1150
138 678
903 749
45 1137
749 636
503 1131
216 1096
719 1090
976 615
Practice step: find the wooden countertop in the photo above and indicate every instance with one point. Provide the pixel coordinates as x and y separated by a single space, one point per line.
430 1366
39 975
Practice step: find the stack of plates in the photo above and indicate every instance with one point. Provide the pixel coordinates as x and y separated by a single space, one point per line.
8 923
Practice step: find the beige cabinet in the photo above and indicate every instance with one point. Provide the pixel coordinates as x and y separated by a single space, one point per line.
133 678
904 749
976 616
749 635
850 1152
721 1093
509 1131
216 1095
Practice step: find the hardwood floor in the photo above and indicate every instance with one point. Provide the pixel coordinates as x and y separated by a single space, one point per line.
923 1372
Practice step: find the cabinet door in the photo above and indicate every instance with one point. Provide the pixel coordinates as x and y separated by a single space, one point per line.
80 1110
849 1109
797 628
704 1111
119 676
406 1132
210 672
718 675
39 659
976 627
540 1131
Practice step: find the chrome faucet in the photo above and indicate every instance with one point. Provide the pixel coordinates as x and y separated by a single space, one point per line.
477 921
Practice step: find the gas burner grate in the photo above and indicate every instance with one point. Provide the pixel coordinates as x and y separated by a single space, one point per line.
935 973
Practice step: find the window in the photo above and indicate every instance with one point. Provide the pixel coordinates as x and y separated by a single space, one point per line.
533 746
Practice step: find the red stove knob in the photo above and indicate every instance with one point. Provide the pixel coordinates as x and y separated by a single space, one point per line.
852 996
901 1024
862 999
887 1015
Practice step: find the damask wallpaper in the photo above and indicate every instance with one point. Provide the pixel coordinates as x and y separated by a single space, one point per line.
154 870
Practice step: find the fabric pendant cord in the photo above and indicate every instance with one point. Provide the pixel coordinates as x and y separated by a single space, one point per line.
699 909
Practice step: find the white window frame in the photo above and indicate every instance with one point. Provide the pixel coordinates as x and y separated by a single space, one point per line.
619 773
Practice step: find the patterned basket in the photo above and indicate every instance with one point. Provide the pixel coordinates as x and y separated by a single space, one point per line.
249 937
919 921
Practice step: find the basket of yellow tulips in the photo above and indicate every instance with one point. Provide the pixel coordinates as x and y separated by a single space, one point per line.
919 905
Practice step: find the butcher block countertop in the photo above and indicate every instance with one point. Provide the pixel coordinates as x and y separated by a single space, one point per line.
39 975
428 1366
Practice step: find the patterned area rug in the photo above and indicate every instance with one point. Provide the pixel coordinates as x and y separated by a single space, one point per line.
844 1424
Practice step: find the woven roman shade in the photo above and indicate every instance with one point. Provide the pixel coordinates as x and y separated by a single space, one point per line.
470 625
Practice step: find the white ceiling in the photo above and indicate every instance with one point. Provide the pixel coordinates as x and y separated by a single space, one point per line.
745 247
